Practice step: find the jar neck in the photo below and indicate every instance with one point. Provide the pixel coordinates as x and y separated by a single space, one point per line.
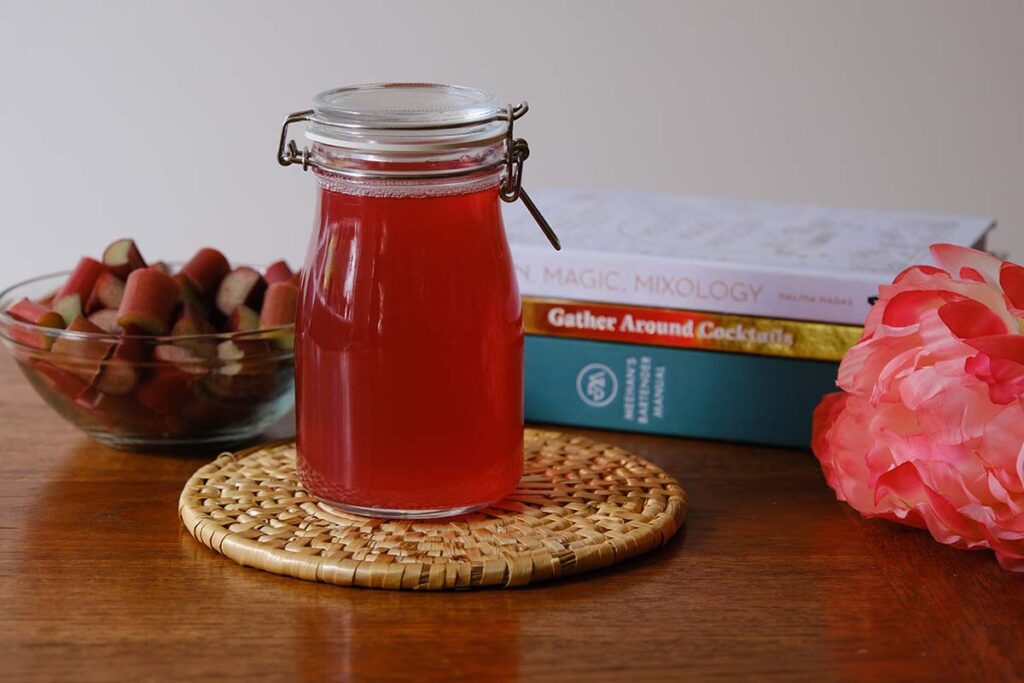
389 173
409 187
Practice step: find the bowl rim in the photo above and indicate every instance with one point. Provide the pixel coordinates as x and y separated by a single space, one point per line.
8 321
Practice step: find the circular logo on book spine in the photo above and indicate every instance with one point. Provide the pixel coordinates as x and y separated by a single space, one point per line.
596 385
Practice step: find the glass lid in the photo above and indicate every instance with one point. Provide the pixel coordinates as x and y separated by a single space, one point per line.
416 114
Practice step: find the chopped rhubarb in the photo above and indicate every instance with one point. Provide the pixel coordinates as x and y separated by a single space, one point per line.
243 319
242 286
149 301
278 271
206 269
120 371
69 307
28 311
106 320
107 293
190 297
122 257
79 354
162 267
191 323
247 372
80 283
181 357
165 390
279 305
60 380
121 414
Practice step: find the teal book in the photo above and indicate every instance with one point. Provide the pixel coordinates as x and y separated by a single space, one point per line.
673 391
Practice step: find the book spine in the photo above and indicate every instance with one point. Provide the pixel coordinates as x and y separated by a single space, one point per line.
679 392
691 285
688 329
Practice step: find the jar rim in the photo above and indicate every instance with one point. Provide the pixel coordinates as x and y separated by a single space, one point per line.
399 117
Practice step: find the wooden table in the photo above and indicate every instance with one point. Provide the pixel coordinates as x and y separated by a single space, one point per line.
771 578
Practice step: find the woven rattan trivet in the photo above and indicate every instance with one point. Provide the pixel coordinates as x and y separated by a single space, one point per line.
580 506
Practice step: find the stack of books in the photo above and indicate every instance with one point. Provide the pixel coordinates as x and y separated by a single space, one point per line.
702 317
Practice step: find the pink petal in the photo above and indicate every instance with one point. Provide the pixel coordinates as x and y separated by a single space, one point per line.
971 274
1011 279
957 415
1005 378
919 270
1008 346
968 318
906 307
953 258
903 487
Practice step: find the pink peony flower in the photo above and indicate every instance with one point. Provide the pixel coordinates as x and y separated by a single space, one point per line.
929 428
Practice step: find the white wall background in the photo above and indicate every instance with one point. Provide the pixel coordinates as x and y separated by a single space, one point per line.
159 120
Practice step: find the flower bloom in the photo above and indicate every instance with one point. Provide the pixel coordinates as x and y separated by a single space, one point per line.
929 428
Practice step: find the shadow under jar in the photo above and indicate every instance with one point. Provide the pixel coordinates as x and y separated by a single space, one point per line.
409 339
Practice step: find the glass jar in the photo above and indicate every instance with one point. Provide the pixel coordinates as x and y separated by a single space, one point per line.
409 338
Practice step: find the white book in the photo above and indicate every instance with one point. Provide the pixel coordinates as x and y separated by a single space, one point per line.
722 255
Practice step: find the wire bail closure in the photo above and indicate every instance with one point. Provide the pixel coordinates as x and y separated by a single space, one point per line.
517 150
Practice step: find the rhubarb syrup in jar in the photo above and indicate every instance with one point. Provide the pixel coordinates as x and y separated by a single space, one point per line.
409 339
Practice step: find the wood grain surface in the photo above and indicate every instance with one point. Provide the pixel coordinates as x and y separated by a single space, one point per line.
771 579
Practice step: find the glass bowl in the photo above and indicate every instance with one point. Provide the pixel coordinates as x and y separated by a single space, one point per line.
142 392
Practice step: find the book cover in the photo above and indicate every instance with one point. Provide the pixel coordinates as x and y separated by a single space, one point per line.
674 391
725 256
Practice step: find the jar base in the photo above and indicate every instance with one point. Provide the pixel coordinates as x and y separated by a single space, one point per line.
387 513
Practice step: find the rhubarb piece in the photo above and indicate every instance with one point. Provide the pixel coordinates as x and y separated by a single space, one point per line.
206 269
165 390
71 299
278 271
190 297
107 293
106 320
28 311
162 267
242 286
82 355
279 305
297 278
243 319
181 357
68 307
120 414
279 309
120 371
247 370
171 384
122 257
191 325
149 300
81 280
60 380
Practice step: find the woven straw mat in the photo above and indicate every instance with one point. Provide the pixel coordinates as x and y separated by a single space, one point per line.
579 506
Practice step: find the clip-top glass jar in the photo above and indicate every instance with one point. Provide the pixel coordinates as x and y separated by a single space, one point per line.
409 340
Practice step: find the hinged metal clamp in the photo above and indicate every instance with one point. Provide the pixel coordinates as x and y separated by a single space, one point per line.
510 187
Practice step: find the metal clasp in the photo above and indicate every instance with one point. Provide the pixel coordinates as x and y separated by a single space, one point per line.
516 152
287 151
